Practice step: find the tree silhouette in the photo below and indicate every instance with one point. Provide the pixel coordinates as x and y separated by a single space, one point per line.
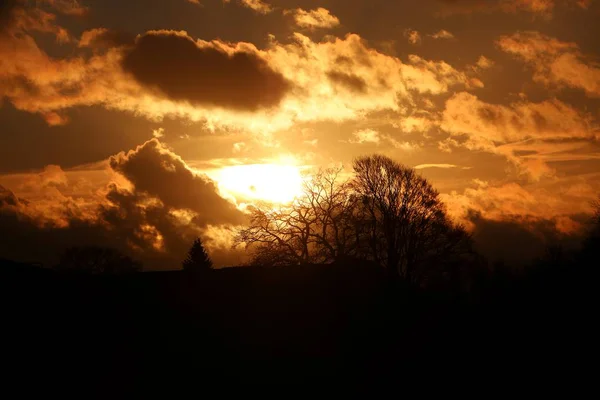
317 227
97 260
386 214
197 258
404 225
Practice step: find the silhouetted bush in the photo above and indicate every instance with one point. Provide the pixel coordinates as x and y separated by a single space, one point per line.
97 261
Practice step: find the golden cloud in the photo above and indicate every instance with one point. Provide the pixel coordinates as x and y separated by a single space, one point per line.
503 129
554 62
319 18
259 6
224 85
514 202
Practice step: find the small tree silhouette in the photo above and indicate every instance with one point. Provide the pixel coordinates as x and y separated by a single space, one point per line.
197 258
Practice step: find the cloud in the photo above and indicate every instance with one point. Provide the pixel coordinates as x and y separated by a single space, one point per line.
348 81
554 62
55 119
18 18
205 73
144 230
442 34
155 170
487 123
158 133
319 18
417 123
511 201
516 241
443 166
259 6
515 223
68 7
542 8
498 128
435 77
414 37
223 85
8 198
7 8
104 38
366 136
484 63
373 137
152 207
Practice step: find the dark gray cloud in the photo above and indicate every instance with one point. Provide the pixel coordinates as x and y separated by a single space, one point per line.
160 173
142 221
517 241
149 234
181 69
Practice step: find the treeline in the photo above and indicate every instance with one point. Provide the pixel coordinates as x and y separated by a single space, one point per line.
384 215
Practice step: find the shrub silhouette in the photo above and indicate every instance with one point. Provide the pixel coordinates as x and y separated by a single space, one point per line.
97 260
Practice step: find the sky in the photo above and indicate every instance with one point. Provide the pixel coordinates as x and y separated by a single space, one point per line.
140 125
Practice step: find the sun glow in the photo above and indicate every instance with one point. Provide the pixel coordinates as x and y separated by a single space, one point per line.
268 182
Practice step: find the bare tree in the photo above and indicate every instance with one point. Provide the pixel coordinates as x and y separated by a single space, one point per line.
386 214
277 236
316 228
404 225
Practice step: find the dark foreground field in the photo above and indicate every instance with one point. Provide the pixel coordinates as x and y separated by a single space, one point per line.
309 327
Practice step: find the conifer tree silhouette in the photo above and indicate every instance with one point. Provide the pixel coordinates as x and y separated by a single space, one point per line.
197 258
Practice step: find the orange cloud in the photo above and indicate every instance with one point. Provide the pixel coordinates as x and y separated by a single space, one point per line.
544 8
319 18
487 124
259 6
68 7
147 203
503 129
224 85
104 38
554 62
513 202
442 34
414 37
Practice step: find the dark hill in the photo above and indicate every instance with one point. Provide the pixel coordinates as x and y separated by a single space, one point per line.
299 326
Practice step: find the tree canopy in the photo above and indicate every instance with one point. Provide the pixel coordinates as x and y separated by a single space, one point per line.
385 214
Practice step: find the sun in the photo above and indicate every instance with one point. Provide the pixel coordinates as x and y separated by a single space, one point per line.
274 183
